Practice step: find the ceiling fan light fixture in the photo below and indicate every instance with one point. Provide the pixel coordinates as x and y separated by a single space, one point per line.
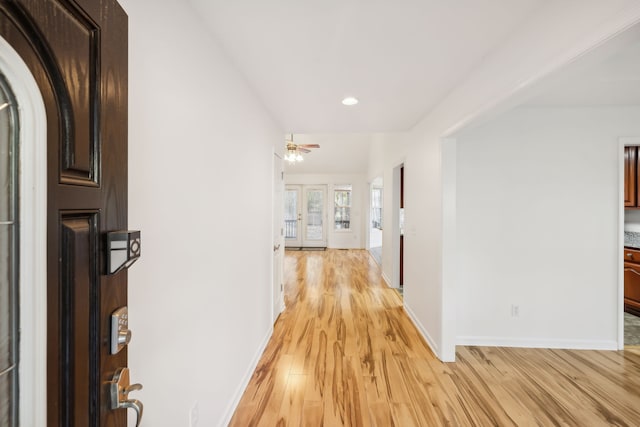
294 151
349 101
293 156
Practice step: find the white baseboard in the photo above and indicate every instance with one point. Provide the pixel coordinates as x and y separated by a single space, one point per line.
231 408
386 279
423 331
566 344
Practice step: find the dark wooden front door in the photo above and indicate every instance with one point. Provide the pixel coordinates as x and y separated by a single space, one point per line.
77 52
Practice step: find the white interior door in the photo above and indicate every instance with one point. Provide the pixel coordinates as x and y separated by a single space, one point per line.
314 201
293 216
278 232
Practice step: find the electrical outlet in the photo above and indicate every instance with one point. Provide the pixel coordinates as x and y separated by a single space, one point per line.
515 310
194 415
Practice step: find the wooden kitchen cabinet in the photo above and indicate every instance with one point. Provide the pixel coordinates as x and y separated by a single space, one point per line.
631 170
632 281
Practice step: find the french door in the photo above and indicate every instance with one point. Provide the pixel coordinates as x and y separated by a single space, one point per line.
306 216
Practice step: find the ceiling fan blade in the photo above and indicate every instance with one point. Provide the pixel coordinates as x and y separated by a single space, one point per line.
309 145
303 150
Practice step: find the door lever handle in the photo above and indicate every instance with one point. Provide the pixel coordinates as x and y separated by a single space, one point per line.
132 387
120 388
136 405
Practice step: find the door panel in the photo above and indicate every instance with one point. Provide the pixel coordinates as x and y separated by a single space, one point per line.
78 289
74 39
77 53
313 216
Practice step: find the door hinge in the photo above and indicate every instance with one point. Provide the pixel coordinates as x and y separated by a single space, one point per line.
281 287
282 176
281 231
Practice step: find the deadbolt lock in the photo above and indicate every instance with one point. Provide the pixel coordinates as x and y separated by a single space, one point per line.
120 333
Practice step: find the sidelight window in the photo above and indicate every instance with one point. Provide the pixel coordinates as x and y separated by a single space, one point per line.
342 208
8 257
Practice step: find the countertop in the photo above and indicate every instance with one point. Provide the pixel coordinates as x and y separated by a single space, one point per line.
632 239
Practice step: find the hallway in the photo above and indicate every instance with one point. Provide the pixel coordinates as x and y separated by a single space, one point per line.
345 353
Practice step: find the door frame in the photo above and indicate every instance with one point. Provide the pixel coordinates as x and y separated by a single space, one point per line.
622 143
32 374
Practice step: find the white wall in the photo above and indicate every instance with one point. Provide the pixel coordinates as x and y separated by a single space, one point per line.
571 28
200 297
189 111
537 225
341 239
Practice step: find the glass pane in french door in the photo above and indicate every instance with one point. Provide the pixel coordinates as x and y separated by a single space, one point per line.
315 206
291 214
8 258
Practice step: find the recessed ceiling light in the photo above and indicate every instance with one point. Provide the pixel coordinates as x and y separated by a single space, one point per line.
349 100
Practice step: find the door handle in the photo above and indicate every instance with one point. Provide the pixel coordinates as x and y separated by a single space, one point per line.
120 389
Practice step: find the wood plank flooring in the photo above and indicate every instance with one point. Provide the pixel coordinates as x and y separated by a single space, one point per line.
344 353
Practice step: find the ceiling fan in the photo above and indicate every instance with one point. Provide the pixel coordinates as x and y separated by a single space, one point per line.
294 151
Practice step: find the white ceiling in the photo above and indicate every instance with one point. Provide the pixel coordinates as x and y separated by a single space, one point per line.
400 58
608 75
338 154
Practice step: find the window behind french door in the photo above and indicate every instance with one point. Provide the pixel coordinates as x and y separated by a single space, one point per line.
305 215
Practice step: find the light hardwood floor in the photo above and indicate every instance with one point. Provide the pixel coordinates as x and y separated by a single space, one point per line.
345 353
